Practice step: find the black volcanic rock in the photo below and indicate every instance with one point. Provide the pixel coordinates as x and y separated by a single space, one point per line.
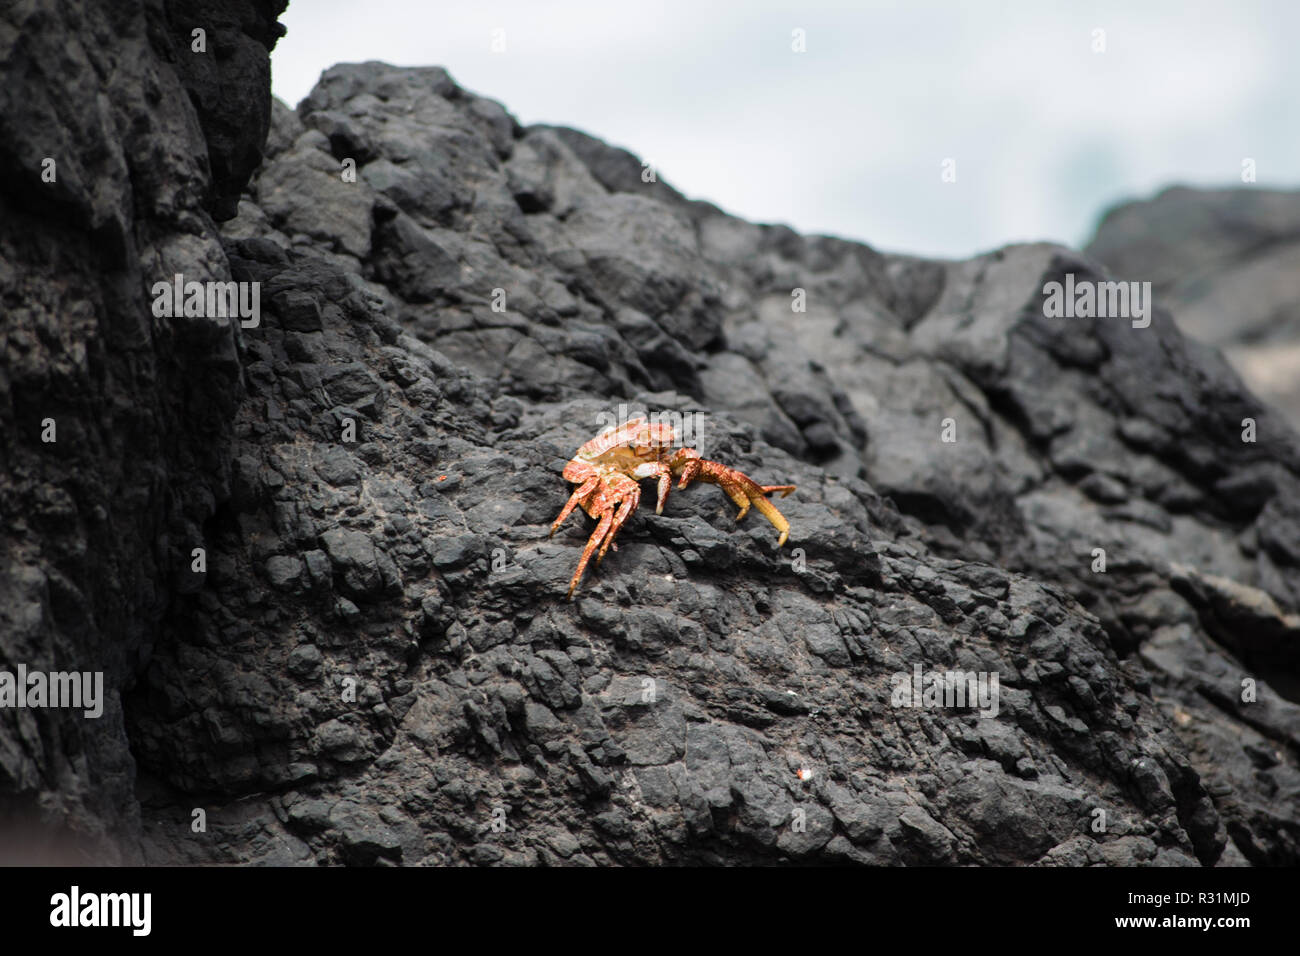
118 146
1226 263
379 666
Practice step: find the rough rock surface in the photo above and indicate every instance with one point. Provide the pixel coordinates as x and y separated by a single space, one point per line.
1226 263
147 143
378 665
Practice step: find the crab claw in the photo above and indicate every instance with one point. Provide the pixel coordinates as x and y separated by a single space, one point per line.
658 470
738 486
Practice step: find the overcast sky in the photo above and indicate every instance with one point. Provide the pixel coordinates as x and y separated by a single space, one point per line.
849 137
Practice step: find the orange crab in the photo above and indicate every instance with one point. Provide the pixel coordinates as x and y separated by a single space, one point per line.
607 470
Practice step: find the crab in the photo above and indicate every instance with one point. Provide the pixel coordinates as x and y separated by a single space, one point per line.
608 470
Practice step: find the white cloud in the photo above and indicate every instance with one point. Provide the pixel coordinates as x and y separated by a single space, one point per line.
848 137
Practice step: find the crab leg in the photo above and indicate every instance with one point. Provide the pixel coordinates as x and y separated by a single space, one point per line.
627 506
579 495
602 529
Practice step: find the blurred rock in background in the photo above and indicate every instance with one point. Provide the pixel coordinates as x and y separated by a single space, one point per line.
1226 263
